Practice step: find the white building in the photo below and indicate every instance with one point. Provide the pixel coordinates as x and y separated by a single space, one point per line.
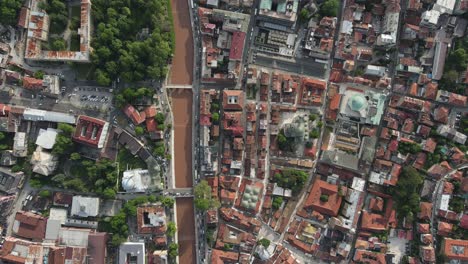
375 70
43 163
46 138
20 145
85 206
137 180
429 18
132 252
444 6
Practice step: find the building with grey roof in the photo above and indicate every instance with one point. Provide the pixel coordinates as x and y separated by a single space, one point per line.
340 159
85 206
132 252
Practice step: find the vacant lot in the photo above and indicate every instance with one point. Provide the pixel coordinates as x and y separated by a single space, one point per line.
182 110
182 63
186 230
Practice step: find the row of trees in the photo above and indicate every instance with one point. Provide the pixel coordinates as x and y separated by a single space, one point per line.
122 49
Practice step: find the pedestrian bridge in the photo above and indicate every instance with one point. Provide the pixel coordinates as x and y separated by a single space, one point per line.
172 86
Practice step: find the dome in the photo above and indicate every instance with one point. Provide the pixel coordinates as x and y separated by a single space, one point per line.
128 183
357 102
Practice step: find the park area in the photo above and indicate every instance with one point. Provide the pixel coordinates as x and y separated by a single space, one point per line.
182 62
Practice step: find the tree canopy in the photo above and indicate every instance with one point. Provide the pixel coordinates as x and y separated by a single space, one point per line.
408 147
291 179
9 10
329 8
406 192
123 47
203 199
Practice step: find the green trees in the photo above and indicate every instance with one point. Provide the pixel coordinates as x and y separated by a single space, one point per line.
129 95
203 199
39 74
304 15
120 46
406 192
315 133
45 194
160 118
63 143
58 44
215 117
159 149
168 202
9 10
171 229
276 203
291 179
58 14
264 242
329 8
139 131
173 250
408 147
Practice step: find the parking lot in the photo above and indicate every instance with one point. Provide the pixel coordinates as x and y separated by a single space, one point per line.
92 98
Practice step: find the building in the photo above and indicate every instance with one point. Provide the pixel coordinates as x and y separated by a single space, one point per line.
51 85
324 198
237 46
91 131
151 219
85 206
452 134
30 226
32 83
37 22
362 106
455 250
10 181
312 91
444 6
429 19
134 115
46 138
132 252
233 100
137 180
222 257
279 12
20 145
36 115
43 162
6 203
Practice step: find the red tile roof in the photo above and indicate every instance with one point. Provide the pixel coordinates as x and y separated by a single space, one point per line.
150 111
455 249
233 100
237 45
88 131
136 117
373 222
32 83
30 226
444 228
425 211
222 257
329 207
151 125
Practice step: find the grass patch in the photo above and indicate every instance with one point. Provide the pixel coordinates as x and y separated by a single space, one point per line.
128 161
74 42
